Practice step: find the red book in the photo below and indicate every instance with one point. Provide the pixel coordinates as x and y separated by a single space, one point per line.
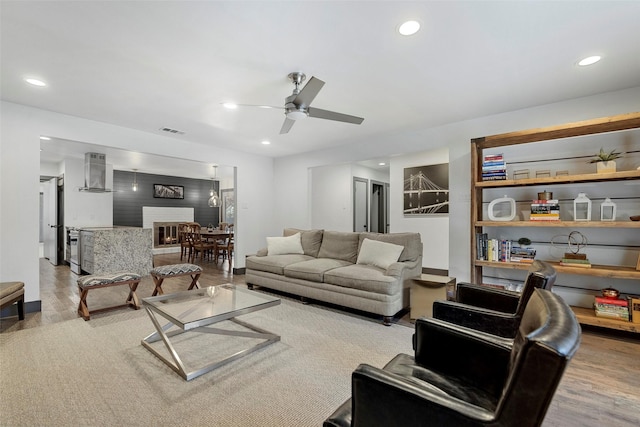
612 301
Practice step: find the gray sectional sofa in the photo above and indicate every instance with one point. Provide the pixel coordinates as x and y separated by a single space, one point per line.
364 271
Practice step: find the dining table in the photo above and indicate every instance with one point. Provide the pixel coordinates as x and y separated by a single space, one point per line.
216 234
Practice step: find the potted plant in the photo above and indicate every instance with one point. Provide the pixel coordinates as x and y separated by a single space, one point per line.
605 162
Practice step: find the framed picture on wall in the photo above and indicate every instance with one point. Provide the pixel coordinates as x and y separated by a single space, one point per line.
162 191
228 206
426 190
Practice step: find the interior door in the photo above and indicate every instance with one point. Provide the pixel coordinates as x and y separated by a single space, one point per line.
360 204
51 220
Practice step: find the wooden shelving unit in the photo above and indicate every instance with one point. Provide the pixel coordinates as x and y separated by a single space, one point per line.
479 225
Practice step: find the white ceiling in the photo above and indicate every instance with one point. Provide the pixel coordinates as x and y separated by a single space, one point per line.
147 65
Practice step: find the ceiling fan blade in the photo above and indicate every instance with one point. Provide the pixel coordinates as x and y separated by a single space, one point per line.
258 106
332 115
286 126
308 92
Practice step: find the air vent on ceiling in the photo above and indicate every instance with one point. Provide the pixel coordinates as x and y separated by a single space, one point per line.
179 132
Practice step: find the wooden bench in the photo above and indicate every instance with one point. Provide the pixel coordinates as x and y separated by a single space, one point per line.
163 272
12 292
103 281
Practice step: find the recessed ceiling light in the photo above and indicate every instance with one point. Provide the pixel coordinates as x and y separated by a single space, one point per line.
409 28
265 142
381 164
230 105
589 60
45 138
35 82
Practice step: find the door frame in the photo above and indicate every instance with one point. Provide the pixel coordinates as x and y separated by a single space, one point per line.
364 181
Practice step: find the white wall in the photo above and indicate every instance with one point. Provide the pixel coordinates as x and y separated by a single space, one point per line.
291 178
83 208
21 128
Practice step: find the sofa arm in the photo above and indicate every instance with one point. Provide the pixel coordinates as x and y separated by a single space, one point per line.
395 269
262 252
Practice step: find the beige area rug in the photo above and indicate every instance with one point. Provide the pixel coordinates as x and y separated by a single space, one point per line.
97 373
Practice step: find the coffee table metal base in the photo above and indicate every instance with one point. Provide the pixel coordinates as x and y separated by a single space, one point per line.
178 365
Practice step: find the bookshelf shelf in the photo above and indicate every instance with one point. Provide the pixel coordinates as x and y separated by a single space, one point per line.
587 316
566 179
516 187
611 271
564 224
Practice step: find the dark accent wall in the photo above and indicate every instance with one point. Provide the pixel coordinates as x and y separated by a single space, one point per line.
127 204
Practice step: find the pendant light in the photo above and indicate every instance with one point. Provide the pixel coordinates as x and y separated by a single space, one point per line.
134 185
214 200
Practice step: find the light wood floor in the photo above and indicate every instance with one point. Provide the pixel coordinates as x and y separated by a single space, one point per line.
601 386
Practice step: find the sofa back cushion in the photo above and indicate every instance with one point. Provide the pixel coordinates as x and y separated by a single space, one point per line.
310 239
340 245
411 242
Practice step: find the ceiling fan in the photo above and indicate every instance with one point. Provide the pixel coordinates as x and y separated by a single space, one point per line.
297 105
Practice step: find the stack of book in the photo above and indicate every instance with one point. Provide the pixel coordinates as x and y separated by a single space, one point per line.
575 260
494 167
492 249
545 210
613 308
519 254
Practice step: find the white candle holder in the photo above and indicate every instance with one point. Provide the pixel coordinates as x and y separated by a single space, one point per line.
607 210
582 208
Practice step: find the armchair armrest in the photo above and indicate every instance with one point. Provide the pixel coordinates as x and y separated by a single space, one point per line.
382 398
478 318
487 297
395 269
446 348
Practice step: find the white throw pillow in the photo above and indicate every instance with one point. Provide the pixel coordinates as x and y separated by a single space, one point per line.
284 245
380 254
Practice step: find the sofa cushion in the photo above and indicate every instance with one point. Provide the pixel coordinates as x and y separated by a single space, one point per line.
274 263
310 239
339 245
284 245
364 277
313 269
380 254
411 242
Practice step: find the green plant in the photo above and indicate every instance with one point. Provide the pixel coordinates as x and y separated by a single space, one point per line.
603 156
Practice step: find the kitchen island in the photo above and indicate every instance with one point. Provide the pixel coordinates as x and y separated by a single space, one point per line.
111 249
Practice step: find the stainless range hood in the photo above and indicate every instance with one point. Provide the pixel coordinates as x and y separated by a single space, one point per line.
95 168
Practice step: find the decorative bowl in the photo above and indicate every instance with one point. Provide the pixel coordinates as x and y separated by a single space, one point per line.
610 293
635 218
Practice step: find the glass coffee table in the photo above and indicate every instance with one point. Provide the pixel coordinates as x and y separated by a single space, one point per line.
195 311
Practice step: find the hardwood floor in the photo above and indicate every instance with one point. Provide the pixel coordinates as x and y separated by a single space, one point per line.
601 386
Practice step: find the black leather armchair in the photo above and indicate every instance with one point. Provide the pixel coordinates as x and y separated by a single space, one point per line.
492 310
463 377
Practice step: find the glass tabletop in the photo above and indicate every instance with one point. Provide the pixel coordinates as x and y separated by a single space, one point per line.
200 307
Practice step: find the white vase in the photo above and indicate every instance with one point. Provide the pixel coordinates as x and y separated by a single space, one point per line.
606 167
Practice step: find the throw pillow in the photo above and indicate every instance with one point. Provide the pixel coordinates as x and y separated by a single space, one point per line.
284 245
380 254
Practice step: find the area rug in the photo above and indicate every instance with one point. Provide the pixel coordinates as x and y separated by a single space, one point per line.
97 373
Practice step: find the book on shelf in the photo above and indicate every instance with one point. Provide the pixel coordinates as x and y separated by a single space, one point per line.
634 308
493 157
575 261
494 178
617 316
571 255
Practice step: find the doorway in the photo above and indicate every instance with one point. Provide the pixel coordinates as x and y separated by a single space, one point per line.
360 204
379 207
